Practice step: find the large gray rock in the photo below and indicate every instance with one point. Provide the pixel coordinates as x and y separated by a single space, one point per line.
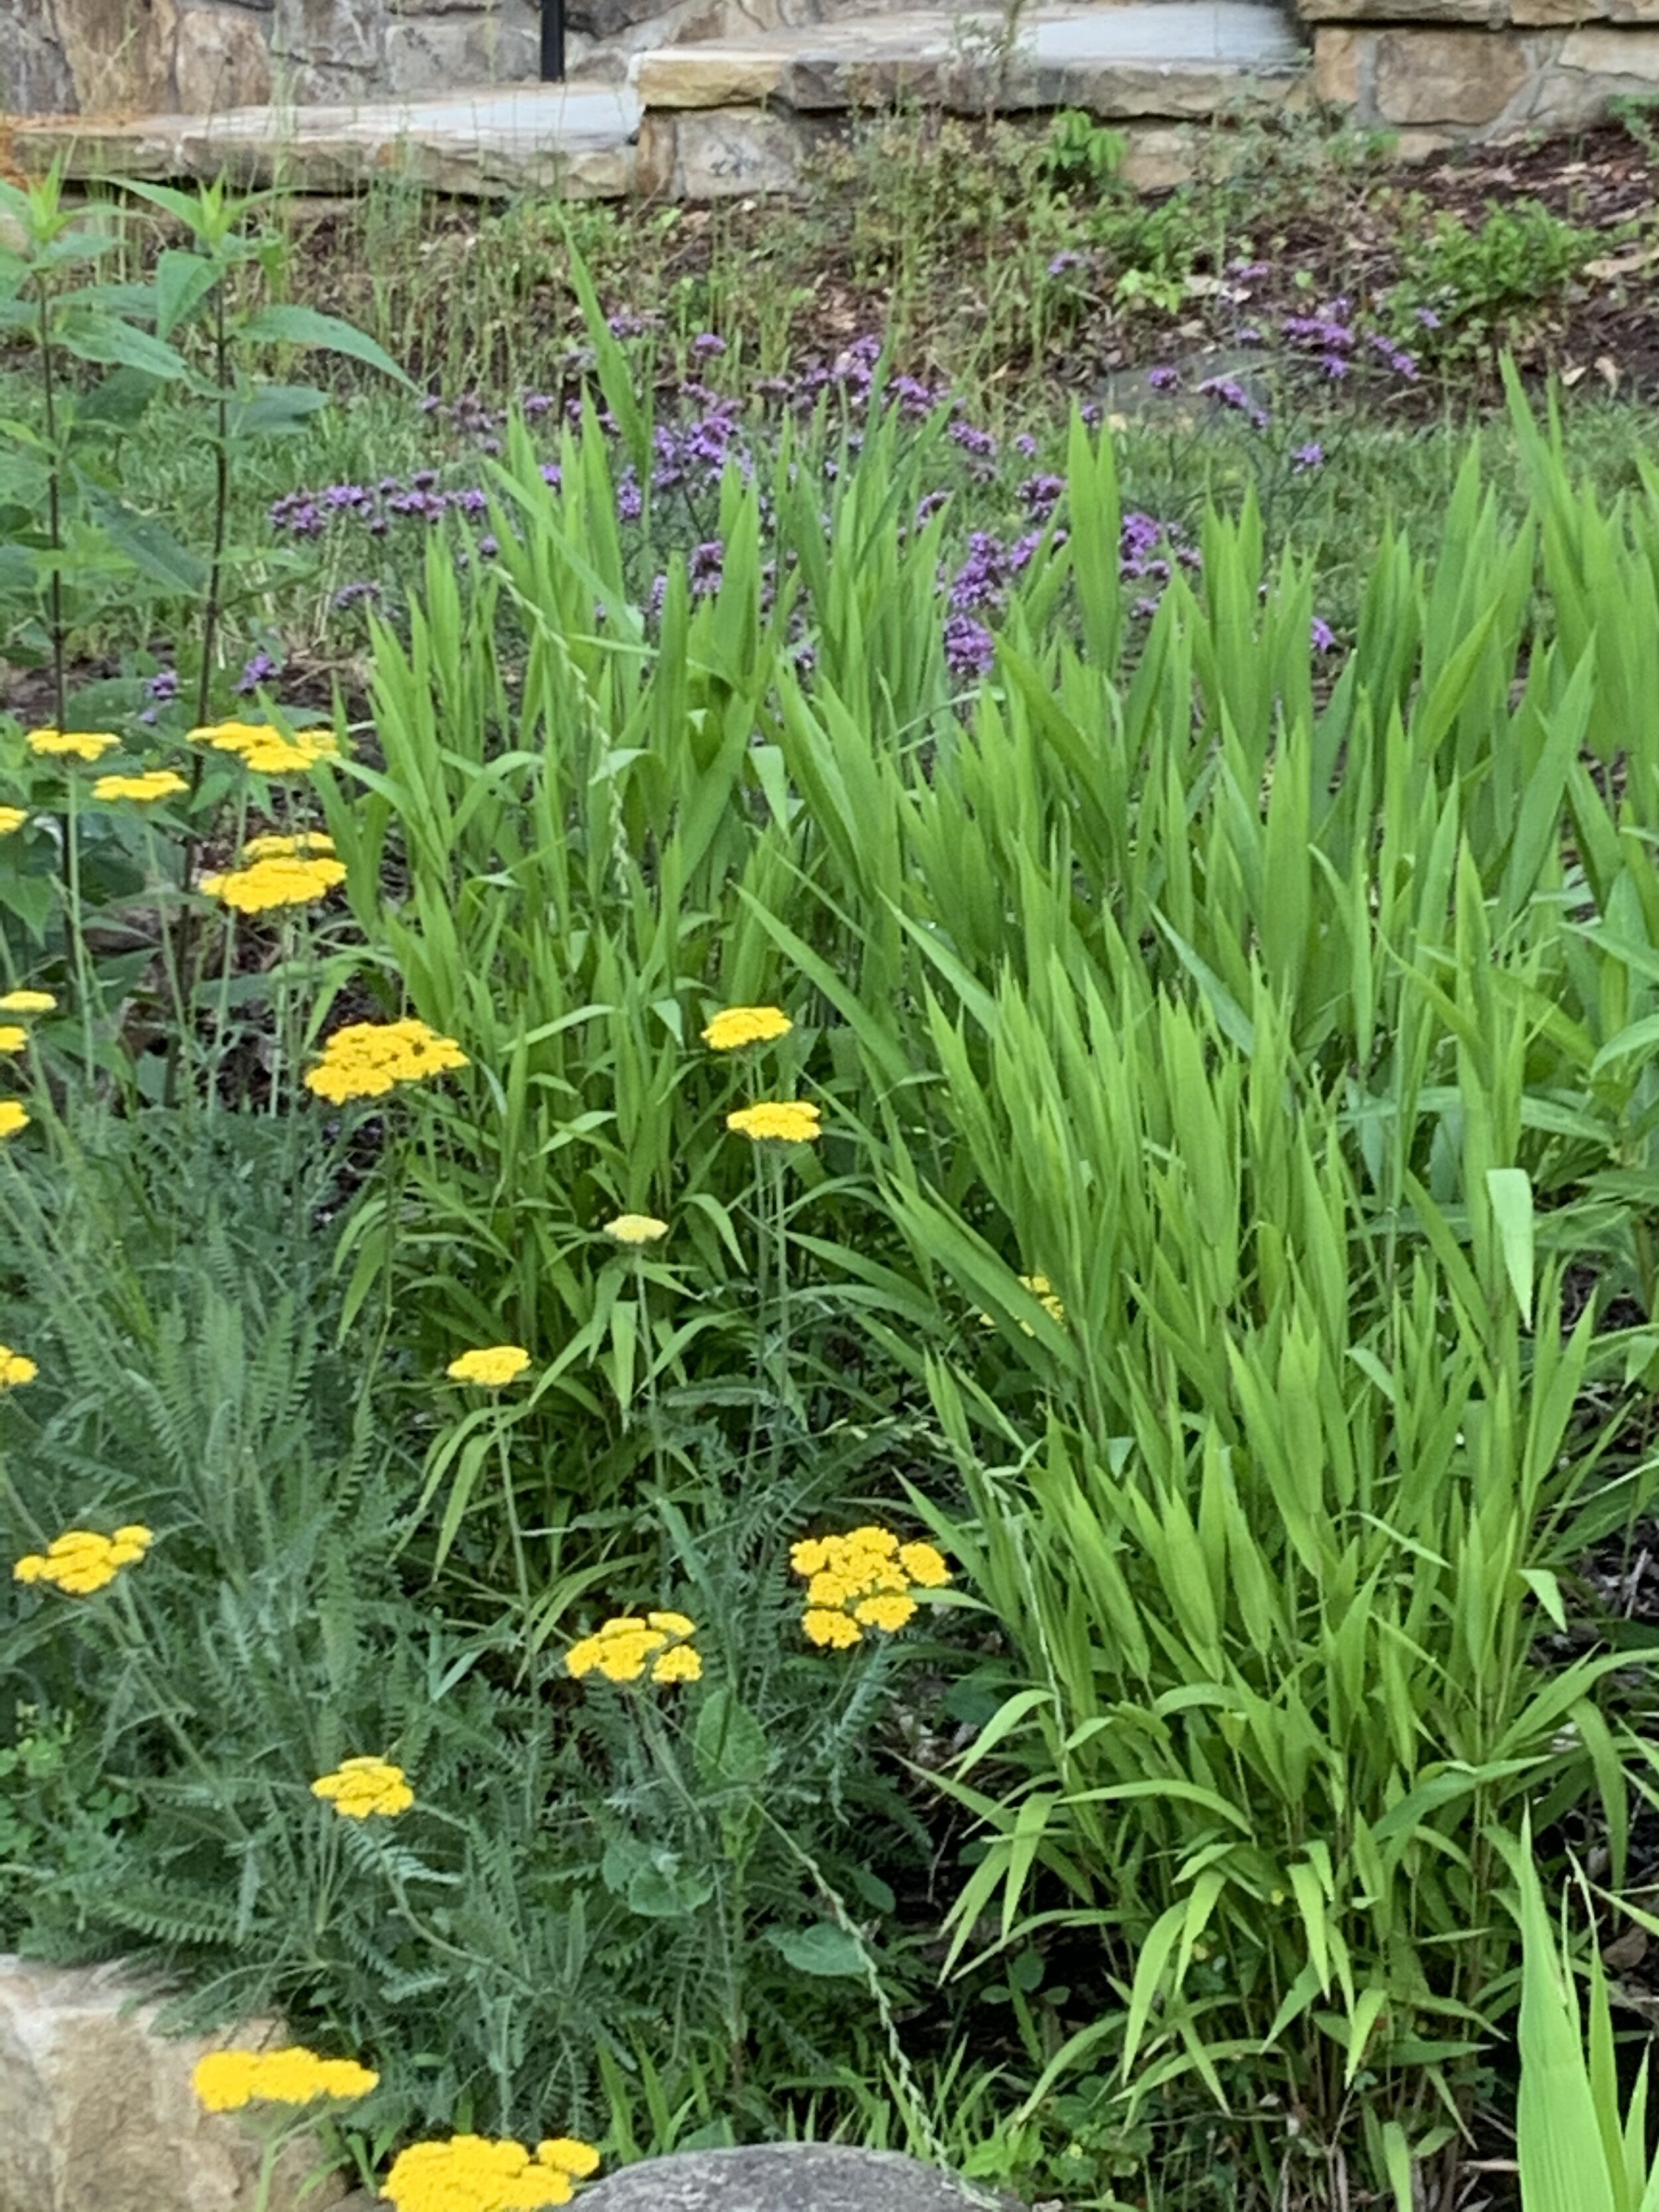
786 2177
97 2113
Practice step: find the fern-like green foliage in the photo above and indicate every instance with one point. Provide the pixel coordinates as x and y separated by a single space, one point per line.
588 1872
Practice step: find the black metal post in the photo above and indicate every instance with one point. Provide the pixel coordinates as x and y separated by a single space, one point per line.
552 41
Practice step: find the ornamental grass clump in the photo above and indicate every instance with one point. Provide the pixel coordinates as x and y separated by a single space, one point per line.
367 1060
364 1788
475 2173
624 1647
867 1579
81 1561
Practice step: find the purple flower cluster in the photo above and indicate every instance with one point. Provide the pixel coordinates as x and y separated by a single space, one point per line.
259 669
1138 556
969 648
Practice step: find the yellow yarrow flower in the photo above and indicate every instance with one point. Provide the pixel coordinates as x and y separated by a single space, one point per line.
365 1060
296 848
12 1117
789 1121
741 1025
266 750
361 1787
262 886
493 1365
12 818
623 1647
154 783
865 1579
27 1002
636 1229
15 1369
474 2174
80 1561
225 2080
13 1037
71 744
832 1631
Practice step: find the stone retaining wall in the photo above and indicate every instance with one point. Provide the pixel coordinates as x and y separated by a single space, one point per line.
202 57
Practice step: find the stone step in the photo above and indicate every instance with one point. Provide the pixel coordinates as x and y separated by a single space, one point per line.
575 138
1133 59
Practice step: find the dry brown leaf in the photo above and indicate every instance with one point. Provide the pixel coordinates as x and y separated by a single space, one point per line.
1622 265
1608 368
1571 373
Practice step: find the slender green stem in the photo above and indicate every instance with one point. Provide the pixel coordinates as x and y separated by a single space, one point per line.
82 965
54 510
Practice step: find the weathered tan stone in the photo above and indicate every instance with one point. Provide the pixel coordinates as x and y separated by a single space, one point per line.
434 53
1337 58
737 153
1547 15
1614 54
223 60
727 76
329 49
118 53
1490 13
97 2113
1448 76
34 78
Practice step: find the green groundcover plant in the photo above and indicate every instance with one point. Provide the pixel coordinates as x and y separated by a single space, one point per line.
1150 1138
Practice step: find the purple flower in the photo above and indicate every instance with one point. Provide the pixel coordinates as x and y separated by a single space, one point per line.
1145 609
1404 364
1228 391
1164 378
1042 494
969 648
1071 259
1428 318
535 404
489 546
259 670
706 567
928 506
1248 334
423 480
1025 443
163 685
1310 456
631 500
552 475
1324 637
1091 413
1333 365
707 346
1247 271
980 443
431 403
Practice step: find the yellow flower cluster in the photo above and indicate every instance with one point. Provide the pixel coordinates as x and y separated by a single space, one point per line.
12 818
262 886
225 2080
12 1117
296 848
71 744
741 1025
1046 1295
27 1002
154 783
269 750
15 1369
492 1364
862 1580
363 1787
789 1121
473 2173
365 1060
80 1561
636 1229
621 1648
13 1036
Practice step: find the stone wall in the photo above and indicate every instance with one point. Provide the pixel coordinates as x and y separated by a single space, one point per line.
201 56
1440 71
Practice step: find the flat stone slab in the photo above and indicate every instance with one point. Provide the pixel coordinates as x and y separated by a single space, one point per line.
787 2177
1138 57
571 138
